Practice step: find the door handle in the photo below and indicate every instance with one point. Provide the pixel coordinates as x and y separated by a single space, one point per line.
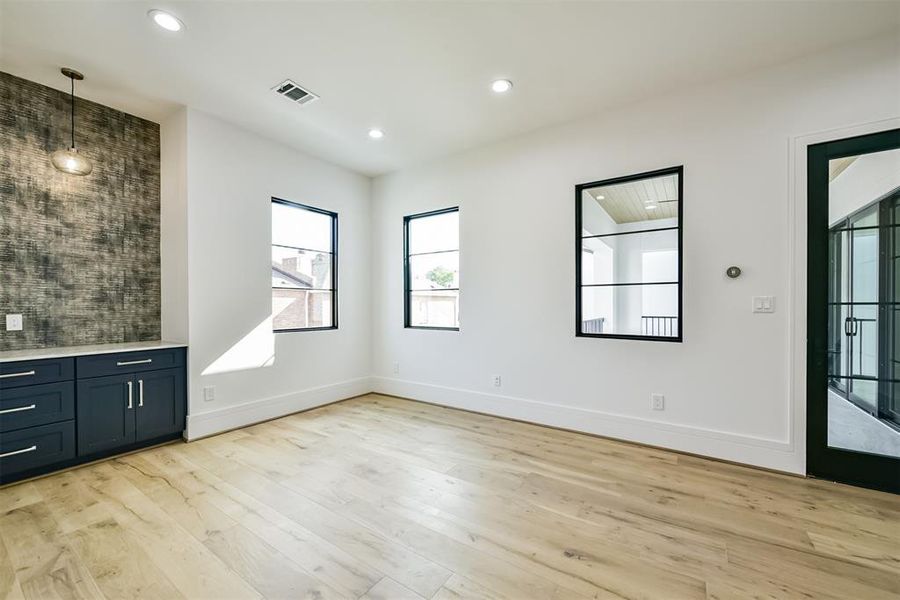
124 363
22 451
140 392
17 409
22 374
130 402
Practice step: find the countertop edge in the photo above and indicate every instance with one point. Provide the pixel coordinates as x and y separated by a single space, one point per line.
72 351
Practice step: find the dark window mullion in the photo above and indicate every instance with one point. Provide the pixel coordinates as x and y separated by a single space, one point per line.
629 284
303 249
636 232
433 252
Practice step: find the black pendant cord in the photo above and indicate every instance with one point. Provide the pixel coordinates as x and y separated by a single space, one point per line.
73 112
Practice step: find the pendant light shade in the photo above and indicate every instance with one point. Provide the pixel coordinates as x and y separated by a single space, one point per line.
69 161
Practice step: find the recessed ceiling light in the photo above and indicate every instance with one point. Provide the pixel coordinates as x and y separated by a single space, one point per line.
167 21
650 207
501 86
376 134
599 197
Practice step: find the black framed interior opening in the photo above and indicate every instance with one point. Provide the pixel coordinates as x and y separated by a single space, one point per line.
853 371
431 270
628 257
304 267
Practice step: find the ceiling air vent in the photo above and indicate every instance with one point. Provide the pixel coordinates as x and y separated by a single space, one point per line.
294 92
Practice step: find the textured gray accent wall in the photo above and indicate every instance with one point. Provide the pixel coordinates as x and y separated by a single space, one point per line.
79 256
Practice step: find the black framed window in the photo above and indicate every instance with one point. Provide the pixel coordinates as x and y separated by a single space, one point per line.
628 259
431 270
304 267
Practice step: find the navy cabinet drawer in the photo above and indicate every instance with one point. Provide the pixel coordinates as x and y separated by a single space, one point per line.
32 372
37 405
30 449
100 365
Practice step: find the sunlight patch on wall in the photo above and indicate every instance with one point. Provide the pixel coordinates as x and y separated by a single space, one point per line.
255 350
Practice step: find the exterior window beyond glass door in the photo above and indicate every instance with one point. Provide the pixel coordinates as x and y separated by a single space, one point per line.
431 270
304 267
628 257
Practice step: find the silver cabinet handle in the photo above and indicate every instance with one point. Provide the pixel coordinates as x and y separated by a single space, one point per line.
125 363
140 392
130 403
22 374
17 409
22 451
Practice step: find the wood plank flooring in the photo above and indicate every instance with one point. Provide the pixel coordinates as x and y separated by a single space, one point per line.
387 499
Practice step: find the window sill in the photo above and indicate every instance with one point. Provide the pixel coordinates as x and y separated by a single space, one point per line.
642 338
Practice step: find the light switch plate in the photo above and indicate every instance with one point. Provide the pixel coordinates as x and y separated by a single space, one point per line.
14 322
763 304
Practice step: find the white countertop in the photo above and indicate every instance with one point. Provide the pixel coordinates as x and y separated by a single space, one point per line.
39 353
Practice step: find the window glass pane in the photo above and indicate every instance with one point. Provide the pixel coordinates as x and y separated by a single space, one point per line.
864 265
435 233
299 309
865 218
631 206
300 268
301 228
630 310
647 257
434 308
434 271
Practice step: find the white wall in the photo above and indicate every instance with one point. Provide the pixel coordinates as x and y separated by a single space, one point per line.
231 177
173 227
728 387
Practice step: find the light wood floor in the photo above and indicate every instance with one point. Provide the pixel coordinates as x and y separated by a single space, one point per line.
381 498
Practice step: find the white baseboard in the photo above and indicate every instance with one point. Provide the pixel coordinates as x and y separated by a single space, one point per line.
763 452
231 417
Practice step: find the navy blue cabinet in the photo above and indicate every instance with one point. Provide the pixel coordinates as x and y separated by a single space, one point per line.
26 452
32 405
161 402
105 413
55 413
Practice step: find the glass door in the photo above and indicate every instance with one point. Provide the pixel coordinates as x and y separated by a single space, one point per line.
853 375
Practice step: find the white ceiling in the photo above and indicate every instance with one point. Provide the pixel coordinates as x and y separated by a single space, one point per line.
419 70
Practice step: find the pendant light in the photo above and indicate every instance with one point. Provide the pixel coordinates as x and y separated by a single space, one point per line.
69 161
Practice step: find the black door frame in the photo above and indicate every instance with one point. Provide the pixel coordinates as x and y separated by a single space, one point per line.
856 468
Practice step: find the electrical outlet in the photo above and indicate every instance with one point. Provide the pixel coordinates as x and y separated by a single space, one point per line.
14 322
496 380
396 368
763 304
657 402
209 393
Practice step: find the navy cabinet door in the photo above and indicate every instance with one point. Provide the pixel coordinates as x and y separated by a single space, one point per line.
160 403
105 409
